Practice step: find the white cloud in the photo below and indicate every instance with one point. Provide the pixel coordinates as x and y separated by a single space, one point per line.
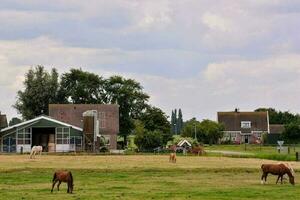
202 56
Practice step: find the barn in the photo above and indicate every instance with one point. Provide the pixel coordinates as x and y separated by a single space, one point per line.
53 135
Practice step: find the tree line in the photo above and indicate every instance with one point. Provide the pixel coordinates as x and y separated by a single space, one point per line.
291 122
42 88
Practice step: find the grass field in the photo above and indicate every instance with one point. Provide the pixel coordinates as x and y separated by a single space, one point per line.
141 177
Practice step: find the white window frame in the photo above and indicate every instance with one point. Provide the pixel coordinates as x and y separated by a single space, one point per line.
64 133
23 138
245 124
258 134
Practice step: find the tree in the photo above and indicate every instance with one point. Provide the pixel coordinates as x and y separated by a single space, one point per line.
212 130
279 117
129 95
148 140
155 119
41 89
179 121
14 121
81 87
190 127
291 133
207 131
173 122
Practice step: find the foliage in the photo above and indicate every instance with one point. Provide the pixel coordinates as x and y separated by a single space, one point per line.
81 87
148 140
279 117
206 131
154 118
129 95
291 133
176 122
14 121
41 89
179 121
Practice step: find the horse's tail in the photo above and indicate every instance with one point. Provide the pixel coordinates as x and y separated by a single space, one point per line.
54 177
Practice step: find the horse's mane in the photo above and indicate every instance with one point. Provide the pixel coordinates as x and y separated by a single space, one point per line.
289 166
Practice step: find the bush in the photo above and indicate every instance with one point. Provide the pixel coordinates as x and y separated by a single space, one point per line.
148 140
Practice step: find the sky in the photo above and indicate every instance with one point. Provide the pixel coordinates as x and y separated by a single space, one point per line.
202 56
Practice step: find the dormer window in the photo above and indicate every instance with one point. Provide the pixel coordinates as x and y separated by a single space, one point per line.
245 124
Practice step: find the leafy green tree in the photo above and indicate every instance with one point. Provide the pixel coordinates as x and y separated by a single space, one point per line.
41 88
279 117
81 87
148 140
207 131
155 119
129 95
291 134
212 130
14 121
191 128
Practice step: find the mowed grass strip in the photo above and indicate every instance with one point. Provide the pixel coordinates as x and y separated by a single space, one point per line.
135 177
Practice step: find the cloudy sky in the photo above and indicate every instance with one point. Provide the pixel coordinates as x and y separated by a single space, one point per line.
202 56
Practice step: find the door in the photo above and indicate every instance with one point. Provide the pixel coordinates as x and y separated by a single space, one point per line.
246 139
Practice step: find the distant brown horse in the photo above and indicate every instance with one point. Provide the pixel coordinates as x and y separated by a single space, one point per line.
172 157
63 176
276 169
197 150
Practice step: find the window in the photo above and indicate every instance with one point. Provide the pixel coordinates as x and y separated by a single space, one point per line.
233 136
258 135
102 119
62 135
24 136
245 124
76 143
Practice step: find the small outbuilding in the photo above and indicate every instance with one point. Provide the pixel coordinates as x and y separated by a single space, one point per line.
53 135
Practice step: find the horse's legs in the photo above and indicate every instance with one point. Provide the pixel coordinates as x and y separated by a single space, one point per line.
281 179
277 179
266 177
68 190
53 184
262 178
58 185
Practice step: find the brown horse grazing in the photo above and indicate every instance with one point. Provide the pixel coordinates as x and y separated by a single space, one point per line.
197 150
63 176
276 169
172 157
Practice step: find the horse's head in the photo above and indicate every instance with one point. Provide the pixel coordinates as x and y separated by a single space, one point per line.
292 180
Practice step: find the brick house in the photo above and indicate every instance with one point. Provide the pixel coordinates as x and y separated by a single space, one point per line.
108 116
244 127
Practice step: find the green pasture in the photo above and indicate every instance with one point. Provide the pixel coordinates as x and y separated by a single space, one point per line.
141 177
254 151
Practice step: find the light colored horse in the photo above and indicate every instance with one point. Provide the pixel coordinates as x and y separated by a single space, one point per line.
172 157
35 150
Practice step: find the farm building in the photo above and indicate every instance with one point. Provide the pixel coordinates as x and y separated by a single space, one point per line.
53 135
244 127
107 116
